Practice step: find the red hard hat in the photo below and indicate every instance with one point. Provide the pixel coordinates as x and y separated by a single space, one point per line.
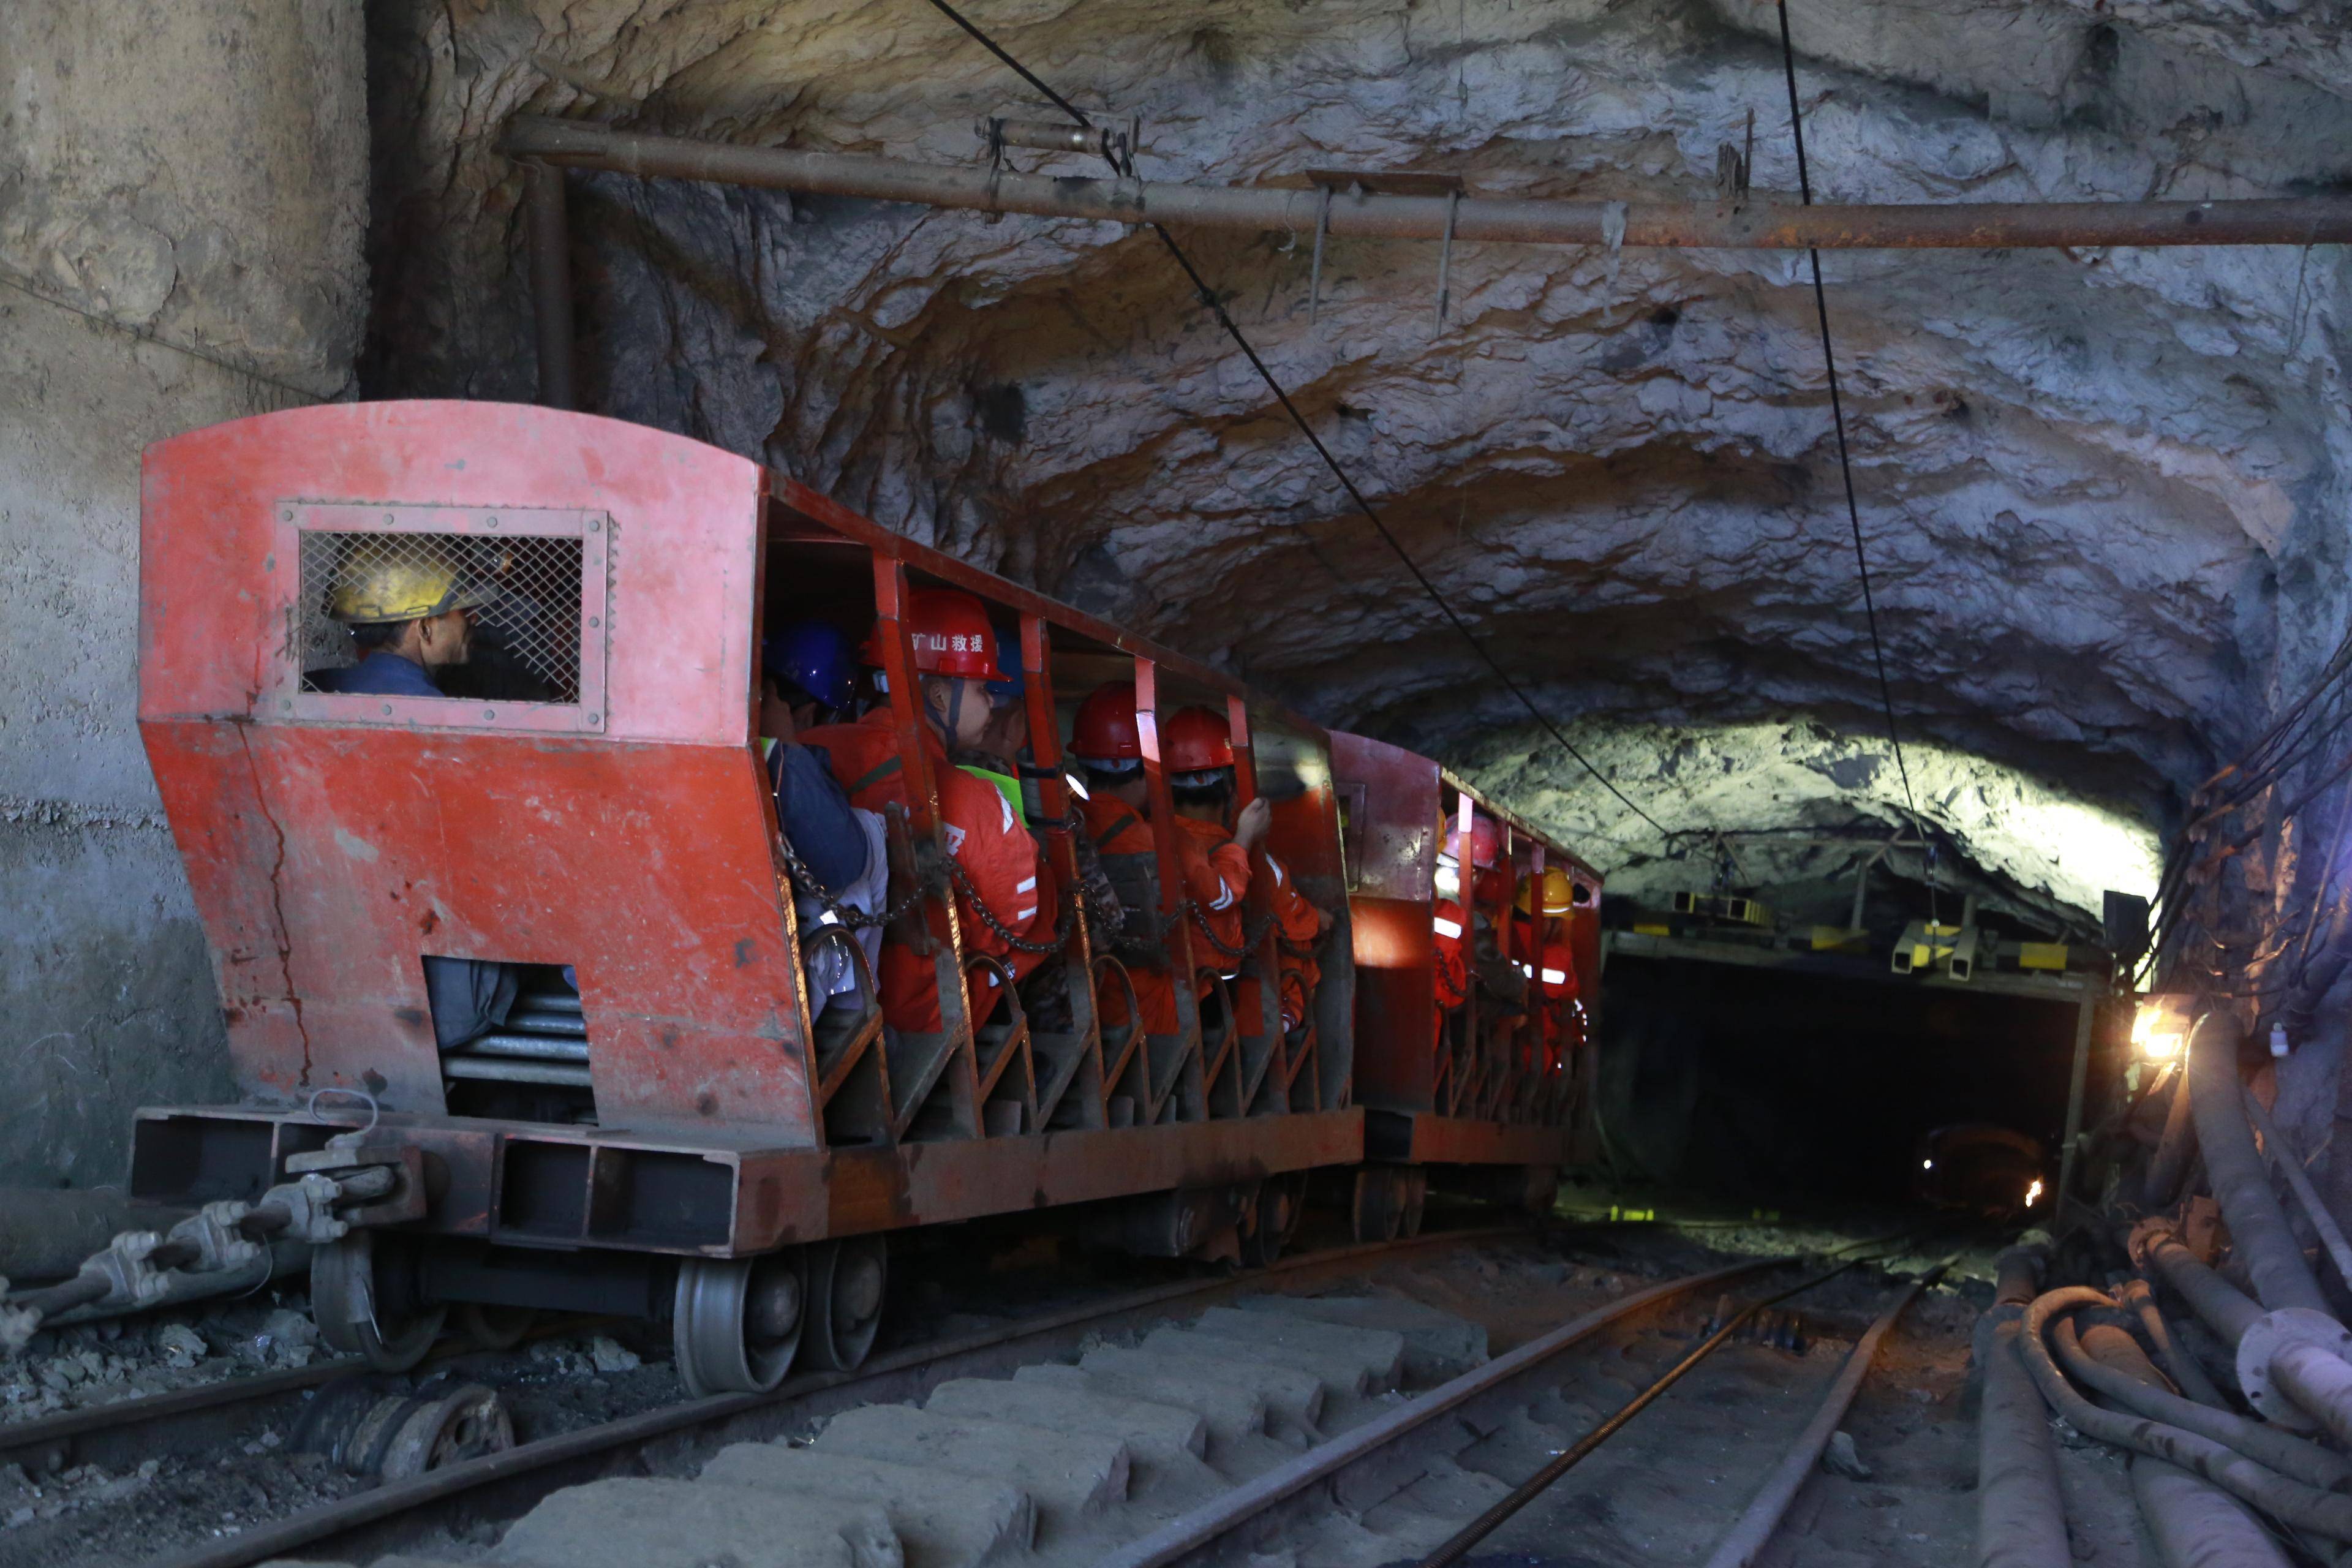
950 632
1195 740
1104 730
1484 842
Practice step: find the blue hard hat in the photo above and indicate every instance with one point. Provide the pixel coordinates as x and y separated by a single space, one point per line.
1010 687
815 656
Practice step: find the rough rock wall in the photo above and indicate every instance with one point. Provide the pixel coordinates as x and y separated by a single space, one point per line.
2103 491
181 205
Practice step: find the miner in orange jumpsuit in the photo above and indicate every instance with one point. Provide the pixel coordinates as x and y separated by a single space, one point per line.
955 659
1198 750
1108 750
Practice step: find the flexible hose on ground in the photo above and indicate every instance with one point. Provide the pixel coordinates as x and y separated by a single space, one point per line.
2021 1518
2194 1524
2102 1365
2221 1306
2306 1507
2258 1227
2187 1375
2161 1185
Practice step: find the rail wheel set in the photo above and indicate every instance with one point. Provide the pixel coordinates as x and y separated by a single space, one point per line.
669 1125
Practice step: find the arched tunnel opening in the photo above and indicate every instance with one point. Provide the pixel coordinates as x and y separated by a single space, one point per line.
1740 1086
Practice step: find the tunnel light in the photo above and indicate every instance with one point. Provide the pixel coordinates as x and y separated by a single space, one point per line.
1447 928
1926 1164
2160 1027
2033 1191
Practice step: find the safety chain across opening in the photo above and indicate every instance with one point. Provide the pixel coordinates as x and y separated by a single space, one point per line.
1251 935
988 916
848 915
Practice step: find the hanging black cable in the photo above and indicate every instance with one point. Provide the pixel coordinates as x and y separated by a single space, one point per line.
1845 467
1215 306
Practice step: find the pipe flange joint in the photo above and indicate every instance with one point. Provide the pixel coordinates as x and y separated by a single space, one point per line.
2264 1339
131 1281
213 1230
309 1201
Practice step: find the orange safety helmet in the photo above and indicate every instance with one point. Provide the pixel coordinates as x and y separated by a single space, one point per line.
1103 729
1196 740
1484 842
950 634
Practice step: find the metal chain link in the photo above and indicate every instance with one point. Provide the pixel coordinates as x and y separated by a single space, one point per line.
853 918
1250 936
988 917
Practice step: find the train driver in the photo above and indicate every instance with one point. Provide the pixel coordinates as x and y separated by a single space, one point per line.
955 658
410 610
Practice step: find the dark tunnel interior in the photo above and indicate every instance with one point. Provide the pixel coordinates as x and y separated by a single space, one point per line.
1746 1085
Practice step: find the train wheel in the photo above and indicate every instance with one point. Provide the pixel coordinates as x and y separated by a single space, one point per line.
847 1280
494 1328
1281 1200
1412 1198
736 1322
1378 1208
366 1301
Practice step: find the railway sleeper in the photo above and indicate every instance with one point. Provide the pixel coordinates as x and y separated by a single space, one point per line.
1063 1461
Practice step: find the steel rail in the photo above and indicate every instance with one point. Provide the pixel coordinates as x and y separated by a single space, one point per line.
1747 1540
1459 1545
498 1485
186 1420
1191 1533
1373 214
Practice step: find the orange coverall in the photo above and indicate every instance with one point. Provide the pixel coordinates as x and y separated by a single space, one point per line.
1297 922
1216 882
986 838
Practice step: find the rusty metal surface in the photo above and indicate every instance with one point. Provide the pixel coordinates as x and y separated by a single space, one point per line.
798 1195
1759 226
331 850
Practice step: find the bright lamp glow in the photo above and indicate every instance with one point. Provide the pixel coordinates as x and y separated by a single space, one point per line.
2160 1027
1926 1164
2033 1191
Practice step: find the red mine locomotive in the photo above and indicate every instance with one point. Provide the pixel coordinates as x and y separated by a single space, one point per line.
529 999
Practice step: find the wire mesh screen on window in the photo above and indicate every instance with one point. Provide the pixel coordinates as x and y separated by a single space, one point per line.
523 592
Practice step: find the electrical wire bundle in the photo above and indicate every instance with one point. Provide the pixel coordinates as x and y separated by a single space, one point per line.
2293 766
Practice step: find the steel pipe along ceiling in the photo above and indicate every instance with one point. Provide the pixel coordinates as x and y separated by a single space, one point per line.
1373 214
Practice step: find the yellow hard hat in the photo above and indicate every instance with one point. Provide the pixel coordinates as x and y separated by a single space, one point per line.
397 581
1558 893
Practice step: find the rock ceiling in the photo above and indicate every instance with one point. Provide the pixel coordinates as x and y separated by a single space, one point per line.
2103 491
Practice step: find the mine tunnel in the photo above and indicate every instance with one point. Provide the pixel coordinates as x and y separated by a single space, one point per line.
955 783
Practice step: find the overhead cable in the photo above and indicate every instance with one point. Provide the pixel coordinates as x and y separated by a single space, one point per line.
1845 465
1210 302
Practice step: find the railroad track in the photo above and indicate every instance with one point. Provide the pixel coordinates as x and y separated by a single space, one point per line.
1248 1421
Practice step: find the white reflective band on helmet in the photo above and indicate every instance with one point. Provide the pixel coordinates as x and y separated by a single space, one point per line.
1447 928
1555 976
